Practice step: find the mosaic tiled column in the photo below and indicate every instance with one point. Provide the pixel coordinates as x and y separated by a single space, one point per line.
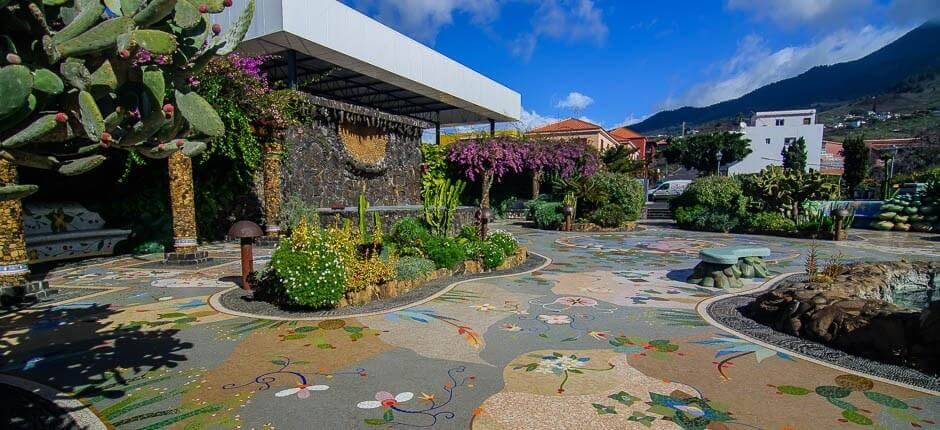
272 188
182 203
14 261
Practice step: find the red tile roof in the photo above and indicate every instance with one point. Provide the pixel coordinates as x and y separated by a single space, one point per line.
624 133
886 143
570 124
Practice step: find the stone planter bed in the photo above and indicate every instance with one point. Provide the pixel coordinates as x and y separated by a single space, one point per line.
379 298
587 227
850 322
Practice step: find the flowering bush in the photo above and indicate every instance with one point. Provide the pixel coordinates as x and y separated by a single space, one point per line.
361 272
504 240
308 268
491 255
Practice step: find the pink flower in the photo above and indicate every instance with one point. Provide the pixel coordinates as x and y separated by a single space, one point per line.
386 399
301 390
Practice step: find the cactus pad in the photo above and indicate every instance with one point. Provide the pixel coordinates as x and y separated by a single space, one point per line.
15 192
91 118
154 12
16 83
81 165
47 81
33 132
200 114
155 41
99 38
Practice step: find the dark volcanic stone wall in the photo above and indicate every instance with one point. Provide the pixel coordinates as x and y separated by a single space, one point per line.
318 169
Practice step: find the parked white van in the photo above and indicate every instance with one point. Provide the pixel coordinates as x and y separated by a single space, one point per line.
668 190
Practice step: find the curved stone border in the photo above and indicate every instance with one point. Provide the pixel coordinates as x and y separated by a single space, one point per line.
721 312
215 301
77 411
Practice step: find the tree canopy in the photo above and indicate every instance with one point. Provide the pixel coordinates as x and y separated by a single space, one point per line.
855 154
794 155
700 151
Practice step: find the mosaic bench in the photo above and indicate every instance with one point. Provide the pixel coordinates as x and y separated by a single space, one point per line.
725 267
61 231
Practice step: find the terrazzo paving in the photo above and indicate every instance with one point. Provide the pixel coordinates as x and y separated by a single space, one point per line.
606 336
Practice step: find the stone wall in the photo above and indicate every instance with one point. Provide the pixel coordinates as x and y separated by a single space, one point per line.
348 150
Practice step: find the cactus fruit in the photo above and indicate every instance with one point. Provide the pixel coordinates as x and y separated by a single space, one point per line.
61 118
216 29
227 3
13 58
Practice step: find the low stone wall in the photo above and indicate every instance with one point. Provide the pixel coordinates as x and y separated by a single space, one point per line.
465 215
855 311
396 288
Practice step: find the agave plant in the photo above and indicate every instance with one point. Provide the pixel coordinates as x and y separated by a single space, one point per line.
82 76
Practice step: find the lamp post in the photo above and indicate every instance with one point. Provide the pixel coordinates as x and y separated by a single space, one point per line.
841 215
484 215
246 231
568 210
718 156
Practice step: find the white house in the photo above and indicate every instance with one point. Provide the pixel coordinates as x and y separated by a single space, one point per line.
770 132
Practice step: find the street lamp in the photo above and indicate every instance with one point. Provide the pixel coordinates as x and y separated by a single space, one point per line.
718 156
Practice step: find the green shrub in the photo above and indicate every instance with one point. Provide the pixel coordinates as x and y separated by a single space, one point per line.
622 190
714 203
309 269
491 255
446 252
545 214
704 219
769 222
408 268
469 232
609 215
409 236
505 241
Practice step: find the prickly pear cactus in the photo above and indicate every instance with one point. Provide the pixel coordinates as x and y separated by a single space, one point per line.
81 77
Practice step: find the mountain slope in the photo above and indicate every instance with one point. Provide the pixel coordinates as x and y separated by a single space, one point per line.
915 52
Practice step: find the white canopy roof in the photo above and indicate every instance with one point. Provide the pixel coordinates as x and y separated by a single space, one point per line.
361 61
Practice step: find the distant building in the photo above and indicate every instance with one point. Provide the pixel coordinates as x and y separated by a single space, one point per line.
771 132
832 161
576 129
626 136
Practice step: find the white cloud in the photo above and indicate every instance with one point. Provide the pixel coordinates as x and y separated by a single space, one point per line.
569 20
795 12
423 19
914 11
755 64
531 119
575 101
630 120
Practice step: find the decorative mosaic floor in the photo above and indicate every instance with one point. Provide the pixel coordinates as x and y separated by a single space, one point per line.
606 336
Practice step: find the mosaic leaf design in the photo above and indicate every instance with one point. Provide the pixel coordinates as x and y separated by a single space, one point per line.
885 400
603 410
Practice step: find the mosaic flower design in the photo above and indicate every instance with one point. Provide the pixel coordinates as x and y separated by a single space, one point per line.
385 399
731 347
555 319
301 390
560 365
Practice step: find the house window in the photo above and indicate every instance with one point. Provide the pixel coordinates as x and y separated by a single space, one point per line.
767 141
807 121
787 141
779 122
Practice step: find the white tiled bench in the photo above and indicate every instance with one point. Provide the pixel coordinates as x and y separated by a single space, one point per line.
61 231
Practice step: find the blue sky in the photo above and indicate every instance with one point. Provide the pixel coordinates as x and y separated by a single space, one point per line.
615 62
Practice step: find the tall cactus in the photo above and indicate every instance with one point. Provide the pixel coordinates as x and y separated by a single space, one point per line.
80 76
